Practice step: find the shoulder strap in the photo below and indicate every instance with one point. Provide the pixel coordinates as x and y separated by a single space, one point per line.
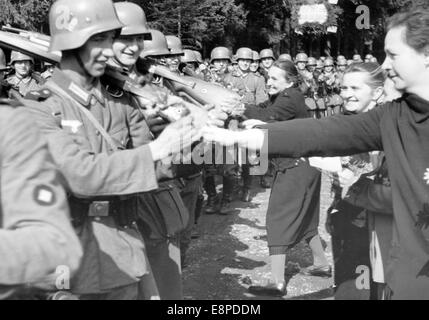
87 113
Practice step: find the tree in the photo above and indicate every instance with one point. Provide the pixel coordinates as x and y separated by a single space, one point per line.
199 23
26 14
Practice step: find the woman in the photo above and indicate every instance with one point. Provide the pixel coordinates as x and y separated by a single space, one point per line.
293 209
362 89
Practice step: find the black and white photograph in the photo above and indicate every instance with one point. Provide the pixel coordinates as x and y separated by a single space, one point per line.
214 154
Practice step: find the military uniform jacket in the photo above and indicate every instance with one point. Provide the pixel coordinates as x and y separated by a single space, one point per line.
23 86
248 85
114 256
401 129
35 232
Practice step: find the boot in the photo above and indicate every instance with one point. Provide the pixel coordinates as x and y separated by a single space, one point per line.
225 207
211 206
245 195
265 182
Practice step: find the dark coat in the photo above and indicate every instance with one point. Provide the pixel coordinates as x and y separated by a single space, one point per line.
287 105
293 209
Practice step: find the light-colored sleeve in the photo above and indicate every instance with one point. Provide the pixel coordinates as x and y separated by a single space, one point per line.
36 236
261 93
95 174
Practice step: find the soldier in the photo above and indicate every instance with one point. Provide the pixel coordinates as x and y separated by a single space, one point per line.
341 65
176 51
25 79
189 63
220 58
91 134
357 58
319 66
162 249
253 90
201 65
254 66
249 85
191 178
36 237
368 57
331 87
234 64
163 246
267 60
308 83
49 69
311 64
301 61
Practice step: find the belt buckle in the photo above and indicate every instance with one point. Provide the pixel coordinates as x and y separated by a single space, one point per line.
99 209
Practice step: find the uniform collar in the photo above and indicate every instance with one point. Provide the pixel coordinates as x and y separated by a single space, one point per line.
78 93
419 105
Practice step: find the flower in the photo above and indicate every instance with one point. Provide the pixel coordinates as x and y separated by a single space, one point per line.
426 176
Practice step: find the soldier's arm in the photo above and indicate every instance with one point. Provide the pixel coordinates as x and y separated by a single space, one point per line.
139 129
91 174
36 236
261 94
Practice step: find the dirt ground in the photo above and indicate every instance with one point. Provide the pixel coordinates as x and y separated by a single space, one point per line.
232 254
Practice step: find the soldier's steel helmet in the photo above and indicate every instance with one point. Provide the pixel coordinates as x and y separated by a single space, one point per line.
312 61
174 45
157 46
285 57
329 62
220 53
244 54
19 56
301 57
267 53
357 58
73 22
341 57
256 56
199 56
189 56
133 18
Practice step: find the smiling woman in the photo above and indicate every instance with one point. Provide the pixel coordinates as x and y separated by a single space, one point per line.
362 87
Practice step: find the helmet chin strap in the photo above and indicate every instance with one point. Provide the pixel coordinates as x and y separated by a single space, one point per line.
80 62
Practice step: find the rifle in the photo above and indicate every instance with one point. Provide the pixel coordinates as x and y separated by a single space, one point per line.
28 42
35 37
117 77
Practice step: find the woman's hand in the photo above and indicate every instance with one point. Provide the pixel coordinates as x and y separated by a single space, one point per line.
252 140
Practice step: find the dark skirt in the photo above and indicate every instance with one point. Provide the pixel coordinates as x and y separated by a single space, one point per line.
294 206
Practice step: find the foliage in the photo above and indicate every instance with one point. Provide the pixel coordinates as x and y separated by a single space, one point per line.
196 21
25 14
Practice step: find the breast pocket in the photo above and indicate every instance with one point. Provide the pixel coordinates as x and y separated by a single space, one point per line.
121 137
